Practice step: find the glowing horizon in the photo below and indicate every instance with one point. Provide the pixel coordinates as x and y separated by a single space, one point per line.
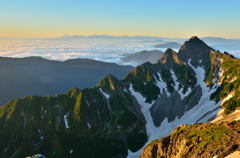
173 19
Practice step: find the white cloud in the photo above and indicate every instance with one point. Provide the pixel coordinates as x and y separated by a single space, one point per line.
104 50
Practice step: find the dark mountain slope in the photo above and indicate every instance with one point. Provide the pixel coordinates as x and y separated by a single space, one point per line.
103 121
38 76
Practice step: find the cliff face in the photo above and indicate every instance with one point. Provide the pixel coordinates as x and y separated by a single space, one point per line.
199 141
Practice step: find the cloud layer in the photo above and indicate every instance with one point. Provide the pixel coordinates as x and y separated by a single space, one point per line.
63 49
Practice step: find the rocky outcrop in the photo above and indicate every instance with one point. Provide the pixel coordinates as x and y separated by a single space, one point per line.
198 141
196 51
175 106
170 57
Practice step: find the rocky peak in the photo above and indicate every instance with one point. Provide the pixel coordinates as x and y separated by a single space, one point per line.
110 82
197 51
169 57
194 40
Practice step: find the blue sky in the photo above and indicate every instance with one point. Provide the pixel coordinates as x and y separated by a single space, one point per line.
166 18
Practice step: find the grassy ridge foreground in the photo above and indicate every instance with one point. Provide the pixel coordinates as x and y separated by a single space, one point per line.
198 140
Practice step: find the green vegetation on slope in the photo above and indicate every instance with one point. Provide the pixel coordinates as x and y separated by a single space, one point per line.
186 76
212 135
198 140
84 121
230 84
142 79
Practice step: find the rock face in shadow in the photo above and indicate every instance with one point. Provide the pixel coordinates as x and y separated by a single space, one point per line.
172 106
198 141
170 57
197 51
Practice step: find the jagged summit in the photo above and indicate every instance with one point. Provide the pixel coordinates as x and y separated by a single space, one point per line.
194 38
194 42
110 77
194 50
169 51
109 82
197 51
169 57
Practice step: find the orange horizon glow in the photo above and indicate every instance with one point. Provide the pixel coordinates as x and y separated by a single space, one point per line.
170 19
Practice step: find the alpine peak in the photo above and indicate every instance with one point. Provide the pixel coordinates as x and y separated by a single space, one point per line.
169 57
195 50
109 82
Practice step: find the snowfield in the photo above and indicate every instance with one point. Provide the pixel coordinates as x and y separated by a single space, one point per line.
204 111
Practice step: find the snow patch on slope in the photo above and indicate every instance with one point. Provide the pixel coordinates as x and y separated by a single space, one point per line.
145 108
220 115
89 125
227 98
105 94
71 151
40 133
36 156
66 120
176 85
150 127
161 84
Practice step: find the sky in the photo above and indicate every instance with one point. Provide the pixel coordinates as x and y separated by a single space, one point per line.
164 18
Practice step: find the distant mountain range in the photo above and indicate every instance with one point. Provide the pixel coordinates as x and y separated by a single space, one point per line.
38 76
219 40
172 45
147 38
114 37
119 118
151 56
207 39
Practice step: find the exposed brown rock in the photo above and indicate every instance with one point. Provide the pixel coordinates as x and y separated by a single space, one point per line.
199 141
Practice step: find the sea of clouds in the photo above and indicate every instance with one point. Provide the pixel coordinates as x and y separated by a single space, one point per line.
108 50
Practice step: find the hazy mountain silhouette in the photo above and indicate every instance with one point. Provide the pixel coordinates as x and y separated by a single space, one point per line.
38 76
